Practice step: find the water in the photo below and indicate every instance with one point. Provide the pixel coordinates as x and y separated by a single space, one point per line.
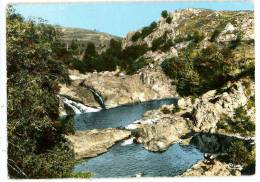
117 117
77 107
126 161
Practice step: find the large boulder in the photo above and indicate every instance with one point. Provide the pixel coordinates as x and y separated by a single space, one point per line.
94 142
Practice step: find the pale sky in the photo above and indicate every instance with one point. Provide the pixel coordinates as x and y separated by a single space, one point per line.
117 18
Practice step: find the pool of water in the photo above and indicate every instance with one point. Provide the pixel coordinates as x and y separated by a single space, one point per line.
117 117
126 161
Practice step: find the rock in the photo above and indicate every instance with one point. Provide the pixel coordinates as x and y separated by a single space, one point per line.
217 168
211 106
149 84
94 142
158 130
162 127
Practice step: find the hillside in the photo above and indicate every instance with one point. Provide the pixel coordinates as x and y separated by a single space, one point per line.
83 36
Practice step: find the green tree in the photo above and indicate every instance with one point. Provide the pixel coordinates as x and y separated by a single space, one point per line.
36 147
90 50
164 13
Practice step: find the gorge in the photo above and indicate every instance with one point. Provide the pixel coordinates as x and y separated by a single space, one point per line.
170 109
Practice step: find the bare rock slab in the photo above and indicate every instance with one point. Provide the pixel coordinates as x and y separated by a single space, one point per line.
91 143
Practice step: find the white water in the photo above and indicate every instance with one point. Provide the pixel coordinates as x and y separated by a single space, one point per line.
127 141
78 108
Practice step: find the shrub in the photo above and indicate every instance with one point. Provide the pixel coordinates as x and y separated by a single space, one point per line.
162 43
148 30
136 65
164 13
169 20
90 50
82 66
153 25
136 36
238 153
241 123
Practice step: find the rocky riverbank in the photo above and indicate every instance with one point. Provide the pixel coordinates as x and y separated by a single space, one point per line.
215 168
212 67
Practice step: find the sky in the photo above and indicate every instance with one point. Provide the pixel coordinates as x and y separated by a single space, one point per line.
116 18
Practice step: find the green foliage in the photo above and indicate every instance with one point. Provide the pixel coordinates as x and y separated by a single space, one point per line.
181 71
136 36
148 30
90 50
164 14
82 66
36 147
79 175
136 65
176 109
241 123
162 43
251 102
169 20
239 153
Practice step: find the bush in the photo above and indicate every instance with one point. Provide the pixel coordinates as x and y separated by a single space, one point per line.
169 20
153 25
136 36
241 123
164 13
136 65
238 153
162 43
90 50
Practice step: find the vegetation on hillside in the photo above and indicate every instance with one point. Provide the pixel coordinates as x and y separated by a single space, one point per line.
240 123
36 146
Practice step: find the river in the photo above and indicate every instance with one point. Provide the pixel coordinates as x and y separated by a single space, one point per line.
128 160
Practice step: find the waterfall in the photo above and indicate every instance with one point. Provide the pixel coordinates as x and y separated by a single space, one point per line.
98 97
77 107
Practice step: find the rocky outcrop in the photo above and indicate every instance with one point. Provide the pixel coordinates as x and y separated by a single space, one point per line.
208 109
169 124
229 25
159 128
94 142
118 89
216 168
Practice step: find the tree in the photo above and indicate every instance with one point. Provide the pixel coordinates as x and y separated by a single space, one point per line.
164 13
36 147
90 50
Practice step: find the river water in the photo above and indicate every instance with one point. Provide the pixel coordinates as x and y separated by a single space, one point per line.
128 160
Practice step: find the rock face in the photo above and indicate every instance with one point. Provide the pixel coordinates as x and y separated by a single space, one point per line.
208 109
169 124
216 169
94 142
119 90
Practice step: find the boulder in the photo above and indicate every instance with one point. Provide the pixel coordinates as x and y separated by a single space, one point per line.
91 143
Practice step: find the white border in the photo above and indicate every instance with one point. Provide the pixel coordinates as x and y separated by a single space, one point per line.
3 101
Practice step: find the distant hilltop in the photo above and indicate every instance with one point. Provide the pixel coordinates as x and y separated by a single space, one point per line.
84 36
